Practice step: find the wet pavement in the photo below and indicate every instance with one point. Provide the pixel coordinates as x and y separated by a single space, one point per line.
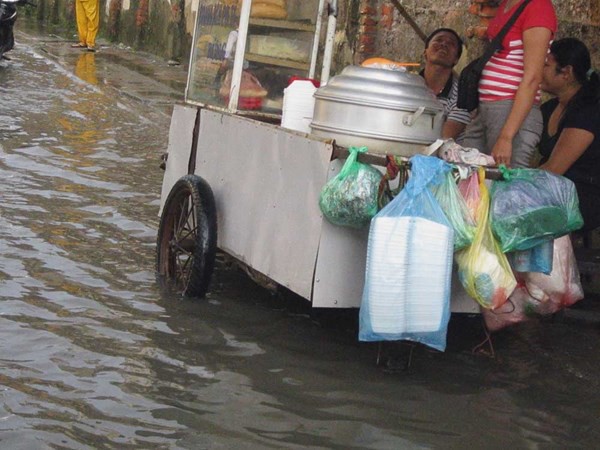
146 78
94 355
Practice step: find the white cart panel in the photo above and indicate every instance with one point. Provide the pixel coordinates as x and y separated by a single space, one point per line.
340 272
181 135
266 182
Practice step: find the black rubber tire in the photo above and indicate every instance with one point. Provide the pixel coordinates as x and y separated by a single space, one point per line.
187 238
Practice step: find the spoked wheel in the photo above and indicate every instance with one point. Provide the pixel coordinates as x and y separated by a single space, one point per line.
187 237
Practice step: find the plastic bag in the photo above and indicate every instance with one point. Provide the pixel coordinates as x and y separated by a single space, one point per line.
350 198
539 294
455 153
469 189
457 213
532 206
518 308
536 259
563 286
483 269
249 87
409 264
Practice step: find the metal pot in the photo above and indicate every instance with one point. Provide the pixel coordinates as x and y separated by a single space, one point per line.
388 111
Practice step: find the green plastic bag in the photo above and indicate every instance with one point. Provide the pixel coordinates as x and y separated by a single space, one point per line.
350 198
455 208
532 206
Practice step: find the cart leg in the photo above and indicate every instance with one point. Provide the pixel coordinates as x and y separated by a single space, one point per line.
488 340
398 362
379 349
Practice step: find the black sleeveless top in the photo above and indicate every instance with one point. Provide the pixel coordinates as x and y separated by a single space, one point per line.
585 172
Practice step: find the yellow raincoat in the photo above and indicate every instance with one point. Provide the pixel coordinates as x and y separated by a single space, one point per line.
88 20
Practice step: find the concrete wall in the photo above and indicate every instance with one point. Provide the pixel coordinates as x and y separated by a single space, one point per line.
395 39
365 27
163 27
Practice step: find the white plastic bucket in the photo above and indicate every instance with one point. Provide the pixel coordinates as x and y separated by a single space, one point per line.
298 106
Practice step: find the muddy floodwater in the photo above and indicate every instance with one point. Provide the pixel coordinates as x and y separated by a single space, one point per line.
93 355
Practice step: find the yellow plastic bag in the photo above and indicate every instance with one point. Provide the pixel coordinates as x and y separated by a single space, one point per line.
483 269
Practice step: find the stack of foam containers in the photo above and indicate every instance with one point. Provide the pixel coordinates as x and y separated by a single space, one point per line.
409 264
298 105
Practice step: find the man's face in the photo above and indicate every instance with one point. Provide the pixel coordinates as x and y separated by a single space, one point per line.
442 50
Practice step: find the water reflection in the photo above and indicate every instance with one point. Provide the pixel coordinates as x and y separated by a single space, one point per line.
93 355
85 68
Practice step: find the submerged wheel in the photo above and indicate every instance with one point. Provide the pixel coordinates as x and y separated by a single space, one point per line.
187 237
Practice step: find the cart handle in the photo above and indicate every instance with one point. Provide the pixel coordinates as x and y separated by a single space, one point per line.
491 173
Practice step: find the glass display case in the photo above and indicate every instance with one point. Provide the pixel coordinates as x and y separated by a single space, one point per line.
245 52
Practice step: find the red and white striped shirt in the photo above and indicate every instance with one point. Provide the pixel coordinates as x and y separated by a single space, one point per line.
503 73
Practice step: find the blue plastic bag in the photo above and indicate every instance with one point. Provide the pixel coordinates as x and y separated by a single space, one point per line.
536 259
409 264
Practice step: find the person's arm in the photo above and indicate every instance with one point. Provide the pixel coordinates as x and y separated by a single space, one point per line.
535 49
452 129
571 144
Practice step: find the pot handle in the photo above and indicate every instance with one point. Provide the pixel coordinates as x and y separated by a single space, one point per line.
410 119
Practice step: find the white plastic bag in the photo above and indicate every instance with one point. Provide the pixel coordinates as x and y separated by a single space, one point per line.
562 287
538 294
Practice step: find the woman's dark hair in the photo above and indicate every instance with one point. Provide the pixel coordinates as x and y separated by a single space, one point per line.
572 52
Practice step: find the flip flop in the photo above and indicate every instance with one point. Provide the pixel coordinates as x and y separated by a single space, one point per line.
78 45
91 49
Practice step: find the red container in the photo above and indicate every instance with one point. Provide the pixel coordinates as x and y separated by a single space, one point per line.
316 83
247 102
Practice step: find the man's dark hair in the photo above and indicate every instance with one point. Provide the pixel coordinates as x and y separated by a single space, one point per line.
447 30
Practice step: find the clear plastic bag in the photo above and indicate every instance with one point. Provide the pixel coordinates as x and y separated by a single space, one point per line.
350 198
457 213
409 264
532 206
483 269
518 308
562 287
539 294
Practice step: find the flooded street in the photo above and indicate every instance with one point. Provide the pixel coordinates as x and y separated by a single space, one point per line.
94 356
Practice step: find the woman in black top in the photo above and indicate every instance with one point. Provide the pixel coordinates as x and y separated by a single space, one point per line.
570 143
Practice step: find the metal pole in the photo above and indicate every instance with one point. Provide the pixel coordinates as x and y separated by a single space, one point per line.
409 19
240 50
328 53
315 47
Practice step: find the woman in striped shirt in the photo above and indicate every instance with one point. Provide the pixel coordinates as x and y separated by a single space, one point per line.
508 124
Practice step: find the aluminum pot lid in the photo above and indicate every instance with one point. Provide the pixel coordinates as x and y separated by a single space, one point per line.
380 87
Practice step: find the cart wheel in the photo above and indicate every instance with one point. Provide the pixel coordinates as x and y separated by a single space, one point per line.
187 237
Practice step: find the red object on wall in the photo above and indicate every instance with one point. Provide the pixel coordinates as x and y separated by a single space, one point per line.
368 23
387 16
485 10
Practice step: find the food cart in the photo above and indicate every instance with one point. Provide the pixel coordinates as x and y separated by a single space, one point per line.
236 180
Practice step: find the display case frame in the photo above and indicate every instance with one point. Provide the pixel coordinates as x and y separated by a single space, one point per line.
202 93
